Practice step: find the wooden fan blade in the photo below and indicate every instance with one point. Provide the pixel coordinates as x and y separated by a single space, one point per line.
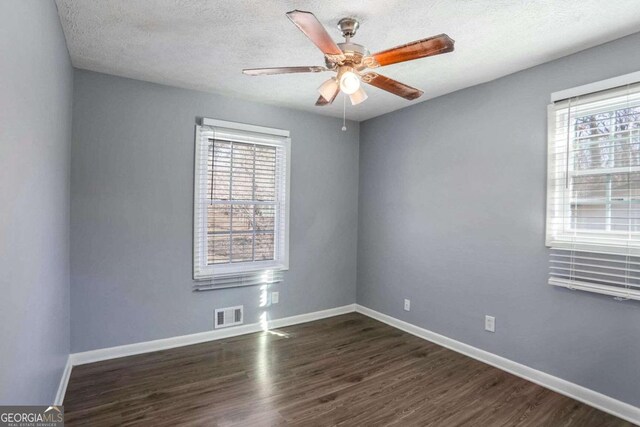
321 102
414 50
392 86
282 70
312 28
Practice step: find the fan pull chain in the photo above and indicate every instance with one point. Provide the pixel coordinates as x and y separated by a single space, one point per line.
344 113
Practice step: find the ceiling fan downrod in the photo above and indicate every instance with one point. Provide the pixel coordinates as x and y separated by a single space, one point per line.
348 27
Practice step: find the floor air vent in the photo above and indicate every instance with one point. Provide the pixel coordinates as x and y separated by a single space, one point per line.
230 316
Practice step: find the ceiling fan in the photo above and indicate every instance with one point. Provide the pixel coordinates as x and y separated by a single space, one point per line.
350 61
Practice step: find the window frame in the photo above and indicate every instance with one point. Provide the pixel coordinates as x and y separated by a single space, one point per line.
259 135
606 260
563 235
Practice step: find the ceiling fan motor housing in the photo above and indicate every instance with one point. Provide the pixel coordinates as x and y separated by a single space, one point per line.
353 56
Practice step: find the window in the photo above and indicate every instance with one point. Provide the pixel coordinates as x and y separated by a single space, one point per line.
593 196
241 203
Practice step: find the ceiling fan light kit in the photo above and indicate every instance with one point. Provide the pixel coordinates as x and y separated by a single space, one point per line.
358 96
350 61
329 88
349 80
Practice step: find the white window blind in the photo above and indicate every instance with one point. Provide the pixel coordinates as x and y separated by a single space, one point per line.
593 194
240 204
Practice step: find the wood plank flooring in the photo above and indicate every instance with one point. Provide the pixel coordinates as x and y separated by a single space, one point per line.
347 370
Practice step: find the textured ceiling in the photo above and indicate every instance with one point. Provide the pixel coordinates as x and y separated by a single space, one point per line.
204 44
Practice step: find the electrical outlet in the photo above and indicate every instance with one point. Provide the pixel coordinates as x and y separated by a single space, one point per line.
407 305
275 297
490 323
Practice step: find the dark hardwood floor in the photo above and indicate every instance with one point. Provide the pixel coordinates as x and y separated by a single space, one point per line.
348 370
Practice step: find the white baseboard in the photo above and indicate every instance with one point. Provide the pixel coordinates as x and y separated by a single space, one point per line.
217 334
62 388
574 391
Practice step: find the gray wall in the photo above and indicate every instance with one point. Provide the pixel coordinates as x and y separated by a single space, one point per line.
35 134
132 203
451 215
